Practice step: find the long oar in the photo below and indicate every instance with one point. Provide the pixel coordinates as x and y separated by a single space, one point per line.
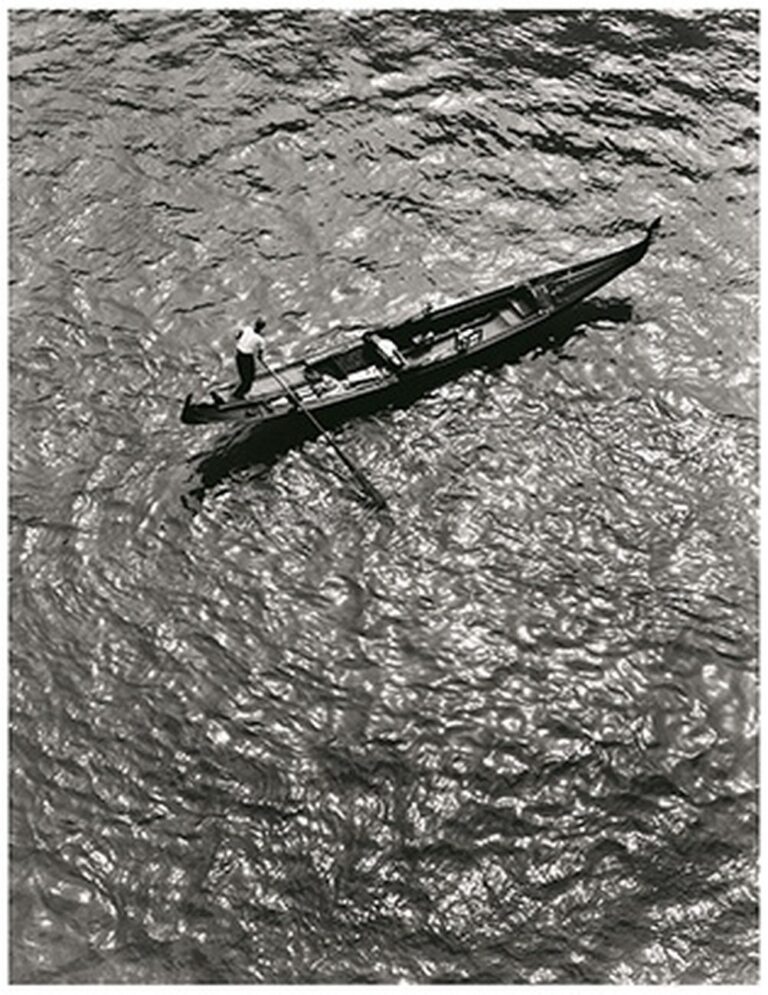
373 492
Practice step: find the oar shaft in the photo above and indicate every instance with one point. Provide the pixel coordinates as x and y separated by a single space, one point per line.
373 492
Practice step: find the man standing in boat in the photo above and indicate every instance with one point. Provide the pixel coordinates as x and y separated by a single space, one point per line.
249 348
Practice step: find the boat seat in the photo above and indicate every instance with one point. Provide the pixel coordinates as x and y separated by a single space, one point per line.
508 318
365 375
325 384
468 337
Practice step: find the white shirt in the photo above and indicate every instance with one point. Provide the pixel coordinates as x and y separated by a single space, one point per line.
249 340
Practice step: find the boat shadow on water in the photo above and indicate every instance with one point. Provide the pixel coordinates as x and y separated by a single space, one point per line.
256 448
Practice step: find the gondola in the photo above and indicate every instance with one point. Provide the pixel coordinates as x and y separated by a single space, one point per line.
391 363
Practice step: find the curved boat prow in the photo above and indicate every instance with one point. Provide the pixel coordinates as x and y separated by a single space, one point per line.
650 234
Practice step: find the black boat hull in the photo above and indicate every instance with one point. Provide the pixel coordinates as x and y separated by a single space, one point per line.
255 447
490 340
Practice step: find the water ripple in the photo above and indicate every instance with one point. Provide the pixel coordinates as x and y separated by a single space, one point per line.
506 735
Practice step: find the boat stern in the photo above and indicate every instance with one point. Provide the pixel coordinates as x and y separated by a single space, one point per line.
197 414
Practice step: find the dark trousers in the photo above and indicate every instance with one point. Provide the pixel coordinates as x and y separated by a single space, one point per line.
246 368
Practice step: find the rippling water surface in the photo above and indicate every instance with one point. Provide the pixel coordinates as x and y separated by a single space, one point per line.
259 734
